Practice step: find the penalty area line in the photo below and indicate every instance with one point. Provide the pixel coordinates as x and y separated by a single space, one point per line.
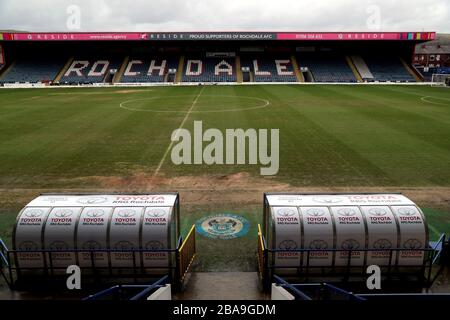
163 159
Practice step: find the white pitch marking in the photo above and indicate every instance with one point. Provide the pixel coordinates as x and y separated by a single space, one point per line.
426 99
180 127
236 109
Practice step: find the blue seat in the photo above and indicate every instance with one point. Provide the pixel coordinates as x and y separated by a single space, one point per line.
387 68
34 70
327 67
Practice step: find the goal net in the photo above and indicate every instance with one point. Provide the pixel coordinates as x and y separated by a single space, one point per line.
440 80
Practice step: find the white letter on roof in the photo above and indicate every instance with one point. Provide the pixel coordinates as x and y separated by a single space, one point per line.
93 73
190 72
76 67
223 67
257 72
282 68
161 68
128 72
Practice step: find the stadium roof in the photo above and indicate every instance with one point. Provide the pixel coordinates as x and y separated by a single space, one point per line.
214 36
441 45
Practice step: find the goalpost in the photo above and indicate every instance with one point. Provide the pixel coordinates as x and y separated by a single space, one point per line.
440 80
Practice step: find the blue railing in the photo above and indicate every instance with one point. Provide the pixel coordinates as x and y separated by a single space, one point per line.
4 263
266 257
438 247
324 291
115 290
11 270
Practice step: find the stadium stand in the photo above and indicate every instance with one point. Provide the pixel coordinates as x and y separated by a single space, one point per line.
427 73
362 68
154 69
89 70
327 67
43 69
209 69
270 68
387 68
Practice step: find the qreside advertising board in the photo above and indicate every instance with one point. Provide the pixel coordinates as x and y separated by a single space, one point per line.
318 234
350 234
92 234
287 235
217 36
28 236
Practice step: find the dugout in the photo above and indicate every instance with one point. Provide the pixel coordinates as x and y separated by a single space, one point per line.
336 236
109 236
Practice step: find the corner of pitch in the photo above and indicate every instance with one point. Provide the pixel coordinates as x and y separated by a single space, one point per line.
234 146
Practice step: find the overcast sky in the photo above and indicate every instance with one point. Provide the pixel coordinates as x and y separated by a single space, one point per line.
228 15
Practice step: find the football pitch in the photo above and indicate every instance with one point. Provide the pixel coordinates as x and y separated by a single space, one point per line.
333 138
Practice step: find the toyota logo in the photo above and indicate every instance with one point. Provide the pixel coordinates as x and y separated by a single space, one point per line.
63 213
124 245
126 213
318 244
59 245
377 212
285 212
350 244
328 199
95 213
92 200
315 212
154 245
28 246
156 213
91 245
406 211
412 244
33 213
287 245
382 244
347 212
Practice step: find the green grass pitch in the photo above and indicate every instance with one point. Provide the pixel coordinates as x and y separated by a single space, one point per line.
335 136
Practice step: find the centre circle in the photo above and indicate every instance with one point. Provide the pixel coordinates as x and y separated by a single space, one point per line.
192 104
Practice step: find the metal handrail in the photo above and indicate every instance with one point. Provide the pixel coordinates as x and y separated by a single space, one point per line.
146 291
147 288
441 242
284 283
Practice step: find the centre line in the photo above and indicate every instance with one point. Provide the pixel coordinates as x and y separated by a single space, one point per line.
180 127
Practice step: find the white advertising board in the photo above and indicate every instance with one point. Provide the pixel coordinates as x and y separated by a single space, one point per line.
59 235
318 234
92 234
287 235
350 234
28 236
382 234
155 232
124 235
